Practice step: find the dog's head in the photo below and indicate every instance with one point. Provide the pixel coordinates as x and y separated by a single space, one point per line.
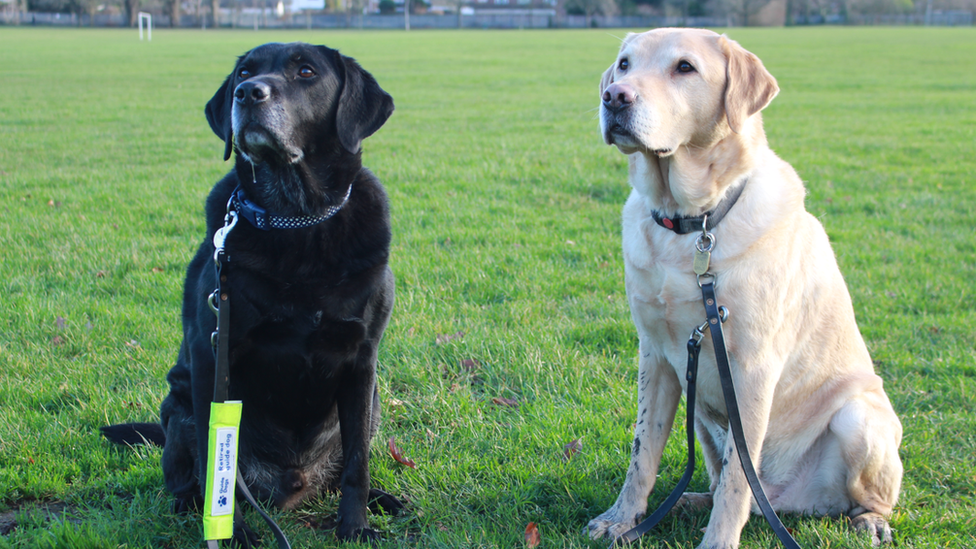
674 87
284 101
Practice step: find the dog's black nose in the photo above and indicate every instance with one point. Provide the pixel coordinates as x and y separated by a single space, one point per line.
618 97
252 92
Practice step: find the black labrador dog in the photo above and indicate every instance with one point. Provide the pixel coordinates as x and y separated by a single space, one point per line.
311 294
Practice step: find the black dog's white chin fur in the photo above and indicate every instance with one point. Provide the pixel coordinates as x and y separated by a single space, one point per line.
263 134
257 144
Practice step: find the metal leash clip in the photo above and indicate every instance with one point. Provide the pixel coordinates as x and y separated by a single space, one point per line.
699 333
220 236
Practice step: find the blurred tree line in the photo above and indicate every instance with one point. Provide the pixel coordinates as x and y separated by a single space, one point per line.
746 12
131 8
734 12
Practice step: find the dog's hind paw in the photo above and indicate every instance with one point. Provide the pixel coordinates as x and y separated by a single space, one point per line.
380 501
244 537
694 501
874 525
185 504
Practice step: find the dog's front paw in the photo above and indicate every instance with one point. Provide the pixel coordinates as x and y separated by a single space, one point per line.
874 525
358 531
612 524
365 535
717 545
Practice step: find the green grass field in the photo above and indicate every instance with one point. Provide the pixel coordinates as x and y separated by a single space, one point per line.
505 208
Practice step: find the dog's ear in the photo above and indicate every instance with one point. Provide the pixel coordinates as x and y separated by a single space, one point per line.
363 106
607 78
748 85
219 113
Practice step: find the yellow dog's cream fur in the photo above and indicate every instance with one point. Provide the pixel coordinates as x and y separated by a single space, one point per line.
818 423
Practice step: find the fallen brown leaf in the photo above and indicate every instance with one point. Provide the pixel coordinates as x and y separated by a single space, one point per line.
572 448
532 536
398 455
502 401
444 338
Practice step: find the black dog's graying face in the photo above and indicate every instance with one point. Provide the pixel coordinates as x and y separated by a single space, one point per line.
283 102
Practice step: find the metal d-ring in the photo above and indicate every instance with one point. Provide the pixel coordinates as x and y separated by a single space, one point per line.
700 242
705 235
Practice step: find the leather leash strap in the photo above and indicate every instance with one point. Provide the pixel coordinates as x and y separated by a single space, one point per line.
222 388
222 369
735 422
691 374
714 322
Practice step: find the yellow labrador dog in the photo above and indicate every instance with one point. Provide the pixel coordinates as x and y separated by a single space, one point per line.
684 105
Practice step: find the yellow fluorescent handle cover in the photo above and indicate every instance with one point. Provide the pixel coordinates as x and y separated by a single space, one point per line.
218 506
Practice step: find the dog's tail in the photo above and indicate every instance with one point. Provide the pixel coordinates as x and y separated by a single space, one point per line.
135 433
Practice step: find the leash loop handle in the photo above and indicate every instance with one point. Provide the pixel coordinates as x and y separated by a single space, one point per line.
735 421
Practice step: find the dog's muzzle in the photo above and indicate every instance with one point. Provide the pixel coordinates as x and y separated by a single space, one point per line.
252 92
618 97
617 100
261 123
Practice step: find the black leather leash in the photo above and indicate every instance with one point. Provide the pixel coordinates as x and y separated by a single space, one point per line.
219 302
735 422
691 374
715 316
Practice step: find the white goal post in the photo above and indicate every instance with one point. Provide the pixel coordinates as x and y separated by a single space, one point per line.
148 18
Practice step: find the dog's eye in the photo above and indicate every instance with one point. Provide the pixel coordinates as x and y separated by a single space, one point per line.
623 64
685 67
306 72
243 74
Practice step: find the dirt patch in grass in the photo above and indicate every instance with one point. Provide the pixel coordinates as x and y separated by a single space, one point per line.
47 510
